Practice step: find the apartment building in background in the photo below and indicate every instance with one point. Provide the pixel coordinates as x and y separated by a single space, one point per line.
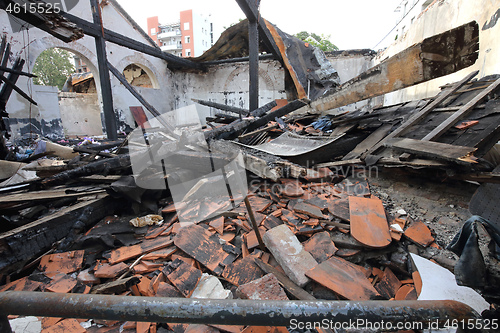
189 37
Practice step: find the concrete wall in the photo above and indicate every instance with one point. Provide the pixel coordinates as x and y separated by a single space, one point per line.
228 84
349 64
80 114
29 46
443 15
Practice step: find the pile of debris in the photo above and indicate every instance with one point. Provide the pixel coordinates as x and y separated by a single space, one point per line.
301 233
321 239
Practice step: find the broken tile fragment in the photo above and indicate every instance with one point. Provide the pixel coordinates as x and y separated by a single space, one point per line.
406 292
62 283
289 253
116 287
200 328
167 290
320 246
265 288
344 278
340 209
23 284
251 238
86 276
419 233
211 287
369 222
107 271
388 285
204 246
66 262
264 329
242 271
66 326
183 276
129 252
308 209
291 188
218 225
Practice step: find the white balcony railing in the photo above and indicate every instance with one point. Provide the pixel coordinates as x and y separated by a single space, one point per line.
171 47
168 34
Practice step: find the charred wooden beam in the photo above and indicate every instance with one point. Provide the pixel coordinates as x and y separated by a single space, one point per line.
233 60
9 70
253 50
434 57
46 20
251 11
100 167
223 107
102 62
30 240
94 30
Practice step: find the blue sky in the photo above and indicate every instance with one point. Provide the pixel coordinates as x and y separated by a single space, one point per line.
352 24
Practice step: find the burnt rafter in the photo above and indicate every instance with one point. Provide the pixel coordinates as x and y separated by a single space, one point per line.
250 8
48 21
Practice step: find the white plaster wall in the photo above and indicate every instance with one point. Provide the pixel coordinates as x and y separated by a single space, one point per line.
442 16
29 45
80 114
228 84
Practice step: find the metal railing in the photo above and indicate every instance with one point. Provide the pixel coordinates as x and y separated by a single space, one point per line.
231 312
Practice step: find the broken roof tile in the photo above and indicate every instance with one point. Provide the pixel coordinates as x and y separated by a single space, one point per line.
388 285
62 283
164 253
183 276
419 233
369 222
66 326
242 271
66 262
340 208
218 225
129 252
265 288
308 209
320 246
22 284
405 293
107 271
344 278
204 246
167 290
251 238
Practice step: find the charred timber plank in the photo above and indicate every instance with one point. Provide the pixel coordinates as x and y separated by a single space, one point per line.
252 13
365 145
48 195
461 113
223 107
435 150
434 57
53 23
239 125
116 38
283 111
8 70
101 167
28 241
422 113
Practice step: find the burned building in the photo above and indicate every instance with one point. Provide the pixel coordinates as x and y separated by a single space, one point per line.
263 185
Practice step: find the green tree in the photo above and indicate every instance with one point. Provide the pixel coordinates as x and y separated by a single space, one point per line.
53 66
320 41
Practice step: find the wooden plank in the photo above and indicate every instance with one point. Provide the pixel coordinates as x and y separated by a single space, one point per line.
48 195
339 164
38 236
344 278
436 150
434 57
365 145
422 113
183 276
139 116
368 222
462 112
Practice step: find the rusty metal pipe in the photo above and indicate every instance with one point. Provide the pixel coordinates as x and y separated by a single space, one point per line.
228 312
